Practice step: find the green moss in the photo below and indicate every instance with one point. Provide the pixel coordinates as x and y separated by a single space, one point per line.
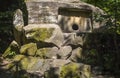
6 53
75 70
41 34
25 62
70 71
12 50
42 53
18 57
29 49
21 61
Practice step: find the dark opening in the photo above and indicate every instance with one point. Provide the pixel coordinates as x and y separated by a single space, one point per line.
75 27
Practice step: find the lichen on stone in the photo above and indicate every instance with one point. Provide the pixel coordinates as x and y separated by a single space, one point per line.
70 71
40 34
29 49
12 50
41 53
75 70
25 62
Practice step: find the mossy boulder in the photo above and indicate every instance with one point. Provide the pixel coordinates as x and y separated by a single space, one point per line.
48 33
42 53
75 70
41 34
12 50
21 67
47 53
25 62
29 49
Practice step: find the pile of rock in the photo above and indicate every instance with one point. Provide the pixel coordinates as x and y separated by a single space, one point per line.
45 53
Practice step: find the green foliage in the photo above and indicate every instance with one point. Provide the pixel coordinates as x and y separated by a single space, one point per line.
112 16
100 50
7 9
11 51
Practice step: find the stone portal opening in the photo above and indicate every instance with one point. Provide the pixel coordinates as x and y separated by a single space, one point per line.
74 19
75 27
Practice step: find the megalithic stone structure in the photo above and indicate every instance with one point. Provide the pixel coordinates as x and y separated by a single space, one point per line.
50 46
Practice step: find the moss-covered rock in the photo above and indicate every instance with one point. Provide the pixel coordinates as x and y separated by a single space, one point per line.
47 33
64 52
19 66
47 53
75 70
42 53
25 62
29 49
12 50
41 34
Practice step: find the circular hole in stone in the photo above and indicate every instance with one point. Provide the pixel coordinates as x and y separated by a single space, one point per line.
75 27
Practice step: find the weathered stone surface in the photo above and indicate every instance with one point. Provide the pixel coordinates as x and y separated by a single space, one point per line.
51 44
53 0
75 70
76 54
47 11
64 52
73 39
34 65
18 26
48 67
74 20
12 50
47 53
29 49
55 69
70 70
49 33
43 66
18 19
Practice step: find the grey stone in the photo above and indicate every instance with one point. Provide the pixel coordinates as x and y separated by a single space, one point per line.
76 54
78 70
73 39
59 62
18 25
74 20
28 49
41 67
48 11
49 33
64 52
18 19
47 53
12 50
